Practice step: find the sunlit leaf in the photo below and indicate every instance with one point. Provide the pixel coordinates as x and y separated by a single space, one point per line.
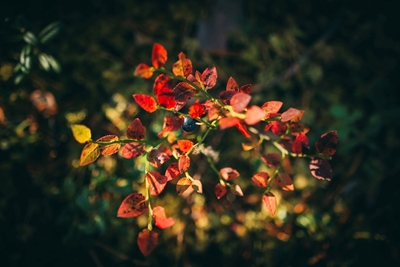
292 114
144 71
183 67
185 145
300 143
160 219
156 157
269 201
166 98
273 160
81 133
183 163
147 241
136 130
162 81
327 143
209 77
146 102
284 181
182 185
228 173
228 122
158 56
111 149
132 206
219 190
89 154
320 169
240 101
271 108
132 150
197 186
231 85
254 115
247 147
172 171
235 189
197 110
157 182
260 179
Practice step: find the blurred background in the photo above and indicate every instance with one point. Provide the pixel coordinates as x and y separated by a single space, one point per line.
337 60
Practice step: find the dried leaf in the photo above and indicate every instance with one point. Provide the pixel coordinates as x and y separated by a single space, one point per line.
183 92
284 181
147 241
183 163
183 185
273 160
144 71
81 133
136 130
111 149
89 154
132 206
260 179
146 102
158 56
157 157
185 145
269 201
220 190
320 169
228 173
157 182
327 143
160 219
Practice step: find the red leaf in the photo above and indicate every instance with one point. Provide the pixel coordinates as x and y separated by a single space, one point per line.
273 160
109 149
228 173
162 81
231 85
243 129
158 56
166 98
183 163
132 206
292 114
183 185
300 143
245 89
160 219
146 102
136 130
277 127
156 158
132 150
197 110
209 77
254 115
144 71
284 181
183 67
172 171
327 143
185 145
286 143
183 92
269 201
157 182
228 122
172 123
271 108
236 190
226 96
320 169
147 241
240 101
260 179
220 190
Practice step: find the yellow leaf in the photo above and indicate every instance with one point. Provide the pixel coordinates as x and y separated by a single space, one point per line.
81 133
89 154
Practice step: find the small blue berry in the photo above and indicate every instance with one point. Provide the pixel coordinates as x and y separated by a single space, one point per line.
189 125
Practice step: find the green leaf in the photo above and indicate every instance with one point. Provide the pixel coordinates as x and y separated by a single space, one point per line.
55 65
25 59
50 31
31 39
43 62
19 77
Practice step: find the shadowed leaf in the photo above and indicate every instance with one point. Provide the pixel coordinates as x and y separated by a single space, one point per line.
327 143
147 241
321 169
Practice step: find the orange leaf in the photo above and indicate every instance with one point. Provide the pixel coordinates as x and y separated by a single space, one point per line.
146 102
240 101
158 56
220 190
108 150
183 67
172 123
157 182
183 92
160 219
320 169
172 171
147 241
292 114
260 179
89 154
156 157
254 115
183 185
132 206
271 108
197 110
327 143
243 129
136 130
231 85
273 160
284 181
228 122
209 77
144 71
228 173
132 150
269 201
300 143
185 145
183 163
162 81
